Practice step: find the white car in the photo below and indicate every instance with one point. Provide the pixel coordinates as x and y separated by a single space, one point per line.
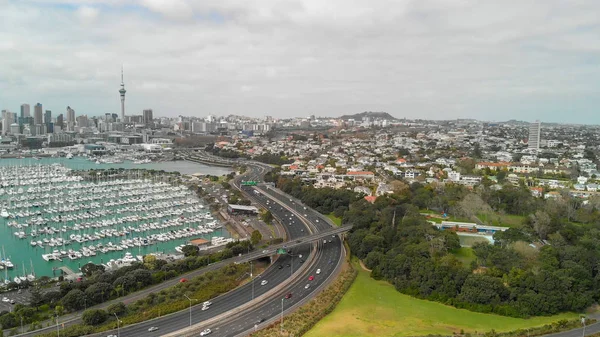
5 299
152 328
205 307
318 271
207 303
307 286
111 336
263 282
205 332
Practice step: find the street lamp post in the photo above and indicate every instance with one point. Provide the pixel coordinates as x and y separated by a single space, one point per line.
583 322
190 299
118 327
281 328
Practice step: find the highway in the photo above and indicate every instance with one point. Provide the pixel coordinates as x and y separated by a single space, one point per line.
227 323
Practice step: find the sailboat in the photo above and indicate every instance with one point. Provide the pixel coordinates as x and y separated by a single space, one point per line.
31 277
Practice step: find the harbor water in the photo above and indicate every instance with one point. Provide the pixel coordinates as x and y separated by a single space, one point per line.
50 217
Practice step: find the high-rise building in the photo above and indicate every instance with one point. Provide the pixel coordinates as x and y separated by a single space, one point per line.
25 110
534 135
59 122
48 121
7 120
122 92
37 114
147 116
70 119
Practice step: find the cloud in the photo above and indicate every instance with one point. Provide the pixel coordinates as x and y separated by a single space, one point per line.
87 14
521 59
172 9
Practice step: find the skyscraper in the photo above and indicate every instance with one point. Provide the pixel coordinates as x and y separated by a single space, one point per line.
48 122
70 119
147 116
122 92
24 110
534 135
37 114
59 121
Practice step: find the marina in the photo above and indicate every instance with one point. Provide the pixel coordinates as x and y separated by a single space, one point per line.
52 218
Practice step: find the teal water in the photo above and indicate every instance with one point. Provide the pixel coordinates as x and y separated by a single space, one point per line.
25 256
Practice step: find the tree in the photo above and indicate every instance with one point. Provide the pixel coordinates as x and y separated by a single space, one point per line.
190 250
267 217
35 297
150 262
98 292
89 268
73 300
94 316
117 308
540 222
255 237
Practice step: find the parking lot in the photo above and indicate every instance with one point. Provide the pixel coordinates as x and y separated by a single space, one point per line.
22 298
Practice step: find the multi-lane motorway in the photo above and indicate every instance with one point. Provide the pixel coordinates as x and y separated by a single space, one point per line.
235 312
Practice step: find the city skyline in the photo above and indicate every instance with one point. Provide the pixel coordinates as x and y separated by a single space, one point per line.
425 59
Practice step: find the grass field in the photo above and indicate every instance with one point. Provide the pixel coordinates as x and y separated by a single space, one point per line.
375 308
337 221
465 255
505 220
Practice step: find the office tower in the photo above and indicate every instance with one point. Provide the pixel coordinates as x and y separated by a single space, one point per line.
7 120
122 92
70 119
59 121
147 116
25 110
534 135
49 126
37 114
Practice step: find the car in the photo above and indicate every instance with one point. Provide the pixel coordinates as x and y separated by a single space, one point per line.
263 282
111 336
5 299
310 278
307 286
205 307
260 320
12 301
288 296
152 328
207 303
333 236
318 271
329 241
324 241
205 332
280 267
265 251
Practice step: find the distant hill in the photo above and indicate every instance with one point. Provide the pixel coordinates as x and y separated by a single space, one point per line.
374 115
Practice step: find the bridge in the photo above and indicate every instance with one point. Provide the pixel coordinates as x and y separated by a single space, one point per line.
272 249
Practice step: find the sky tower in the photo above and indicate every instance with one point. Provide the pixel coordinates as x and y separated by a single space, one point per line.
122 91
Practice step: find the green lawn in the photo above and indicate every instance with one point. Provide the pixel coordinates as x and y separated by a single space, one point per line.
337 221
465 255
506 220
375 308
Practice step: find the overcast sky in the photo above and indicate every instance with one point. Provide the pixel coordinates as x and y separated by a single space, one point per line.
439 59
